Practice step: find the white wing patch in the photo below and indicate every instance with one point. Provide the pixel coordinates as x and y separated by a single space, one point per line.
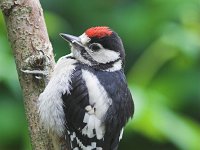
80 144
99 104
121 134
50 104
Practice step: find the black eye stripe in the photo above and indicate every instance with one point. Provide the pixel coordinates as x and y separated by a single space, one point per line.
87 56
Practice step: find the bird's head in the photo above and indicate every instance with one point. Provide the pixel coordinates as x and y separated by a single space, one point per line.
99 47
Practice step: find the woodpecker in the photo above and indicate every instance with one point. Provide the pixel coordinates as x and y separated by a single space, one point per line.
87 98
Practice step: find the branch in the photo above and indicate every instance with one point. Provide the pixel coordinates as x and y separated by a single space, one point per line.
28 36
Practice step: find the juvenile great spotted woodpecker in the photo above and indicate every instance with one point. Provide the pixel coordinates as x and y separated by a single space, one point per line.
87 98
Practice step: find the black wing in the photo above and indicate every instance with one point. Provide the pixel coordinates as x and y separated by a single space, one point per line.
75 102
117 114
122 107
74 109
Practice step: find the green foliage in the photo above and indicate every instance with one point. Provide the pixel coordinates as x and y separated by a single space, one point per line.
162 66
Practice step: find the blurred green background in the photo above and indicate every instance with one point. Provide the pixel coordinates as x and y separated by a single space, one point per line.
162 42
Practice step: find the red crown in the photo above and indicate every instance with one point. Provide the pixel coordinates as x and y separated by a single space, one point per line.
98 32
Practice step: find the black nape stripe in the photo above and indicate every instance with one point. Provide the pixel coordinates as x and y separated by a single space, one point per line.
108 65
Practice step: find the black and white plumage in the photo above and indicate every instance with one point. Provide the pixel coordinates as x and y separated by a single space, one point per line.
87 98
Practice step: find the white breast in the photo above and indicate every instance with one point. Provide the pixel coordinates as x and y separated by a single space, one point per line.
50 104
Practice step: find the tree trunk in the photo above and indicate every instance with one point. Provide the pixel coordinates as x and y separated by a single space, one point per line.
29 40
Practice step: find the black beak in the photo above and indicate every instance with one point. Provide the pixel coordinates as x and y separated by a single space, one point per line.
76 41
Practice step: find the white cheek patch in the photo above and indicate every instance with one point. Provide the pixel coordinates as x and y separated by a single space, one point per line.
50 104
84 39
104 55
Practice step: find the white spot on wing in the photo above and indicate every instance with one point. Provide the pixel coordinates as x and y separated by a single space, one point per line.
121 134
91 126
93 145
86 118
88 147
72 137
50 104
99 128
88 108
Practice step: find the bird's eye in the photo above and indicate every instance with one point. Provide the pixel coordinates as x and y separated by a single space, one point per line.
94 47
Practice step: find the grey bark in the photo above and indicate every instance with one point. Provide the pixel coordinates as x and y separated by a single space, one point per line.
28 37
